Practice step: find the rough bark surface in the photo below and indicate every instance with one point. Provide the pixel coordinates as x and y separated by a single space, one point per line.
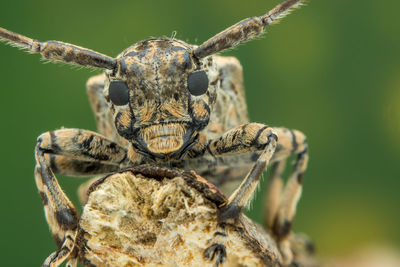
140 218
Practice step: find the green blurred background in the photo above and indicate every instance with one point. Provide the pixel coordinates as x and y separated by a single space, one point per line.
330 69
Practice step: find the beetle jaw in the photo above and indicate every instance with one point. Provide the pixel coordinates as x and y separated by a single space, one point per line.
165 140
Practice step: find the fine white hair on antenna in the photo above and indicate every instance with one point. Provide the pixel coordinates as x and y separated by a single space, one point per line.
279 12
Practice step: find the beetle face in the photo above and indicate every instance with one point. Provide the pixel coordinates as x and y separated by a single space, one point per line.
161 96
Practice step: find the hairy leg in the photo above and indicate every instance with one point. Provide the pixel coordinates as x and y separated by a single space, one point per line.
72 147
60 213
281 200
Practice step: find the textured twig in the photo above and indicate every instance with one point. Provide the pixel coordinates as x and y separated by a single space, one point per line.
151 215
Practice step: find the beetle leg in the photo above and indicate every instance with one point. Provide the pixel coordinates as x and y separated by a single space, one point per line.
273 197
281 204
72 262
60 212
242 139
287 209
290 197
69 151
68 166
254 137
242 195
243 143
75 152
217 251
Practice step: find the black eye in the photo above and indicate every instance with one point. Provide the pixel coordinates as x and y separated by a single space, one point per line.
119 93
197 82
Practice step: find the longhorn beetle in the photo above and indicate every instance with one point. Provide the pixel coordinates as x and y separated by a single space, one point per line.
163 101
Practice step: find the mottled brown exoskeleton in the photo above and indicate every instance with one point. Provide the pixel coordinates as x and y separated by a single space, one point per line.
165 102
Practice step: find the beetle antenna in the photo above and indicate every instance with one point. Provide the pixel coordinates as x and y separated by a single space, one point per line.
245 30
59 51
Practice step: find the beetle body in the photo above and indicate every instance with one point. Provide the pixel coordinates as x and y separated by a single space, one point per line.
165 102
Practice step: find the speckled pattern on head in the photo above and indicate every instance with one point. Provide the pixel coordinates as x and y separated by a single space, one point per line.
156 72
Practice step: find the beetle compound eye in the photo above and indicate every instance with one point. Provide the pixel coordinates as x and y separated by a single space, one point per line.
119 93
197 83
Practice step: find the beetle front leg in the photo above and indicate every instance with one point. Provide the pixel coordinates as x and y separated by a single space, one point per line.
242 139
246 138
60 213
242 195
276 145
239 140
59 151
82 145
253 139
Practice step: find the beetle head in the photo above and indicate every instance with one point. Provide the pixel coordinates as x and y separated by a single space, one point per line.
161 96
